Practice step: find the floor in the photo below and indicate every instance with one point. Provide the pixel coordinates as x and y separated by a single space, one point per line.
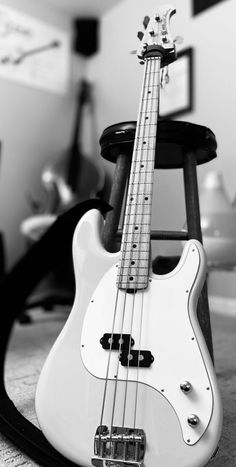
30 345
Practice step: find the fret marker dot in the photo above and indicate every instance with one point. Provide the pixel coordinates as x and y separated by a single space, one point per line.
131 278
144 142
142 166
134 246
149 92
132 262
146 197
146 118
136 227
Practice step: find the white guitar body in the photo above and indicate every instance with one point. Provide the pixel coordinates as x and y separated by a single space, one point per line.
70 390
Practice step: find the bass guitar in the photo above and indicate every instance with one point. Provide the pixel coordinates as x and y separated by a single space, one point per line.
129 381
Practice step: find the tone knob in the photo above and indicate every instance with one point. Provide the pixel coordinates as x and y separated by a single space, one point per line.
185 387
193 420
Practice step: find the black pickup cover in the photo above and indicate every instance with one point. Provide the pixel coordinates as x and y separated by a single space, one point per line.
119 341
136 358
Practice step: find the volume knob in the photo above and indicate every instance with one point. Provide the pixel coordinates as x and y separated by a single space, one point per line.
193 420
185 387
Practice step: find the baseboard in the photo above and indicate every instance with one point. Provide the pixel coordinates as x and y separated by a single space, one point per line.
222 305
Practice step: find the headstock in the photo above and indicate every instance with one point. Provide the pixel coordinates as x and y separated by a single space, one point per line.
156 40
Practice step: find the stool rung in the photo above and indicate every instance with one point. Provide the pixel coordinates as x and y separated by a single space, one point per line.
165 234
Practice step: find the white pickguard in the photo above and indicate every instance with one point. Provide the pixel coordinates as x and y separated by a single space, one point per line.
69 397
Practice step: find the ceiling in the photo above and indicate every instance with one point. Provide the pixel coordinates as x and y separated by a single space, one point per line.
83 7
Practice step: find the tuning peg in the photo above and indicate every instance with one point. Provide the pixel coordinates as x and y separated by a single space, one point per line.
140 35
146 21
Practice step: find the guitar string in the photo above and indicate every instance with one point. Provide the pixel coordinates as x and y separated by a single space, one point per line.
109 361
123 260
147 133
141 135
121 269
144 134
156 63
114 317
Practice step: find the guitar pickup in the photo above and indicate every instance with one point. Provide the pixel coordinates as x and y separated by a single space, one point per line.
136 358
116 341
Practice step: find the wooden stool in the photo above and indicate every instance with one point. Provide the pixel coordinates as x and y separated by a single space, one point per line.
180 145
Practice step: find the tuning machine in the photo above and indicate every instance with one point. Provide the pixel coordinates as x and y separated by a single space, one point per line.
146 21
140 35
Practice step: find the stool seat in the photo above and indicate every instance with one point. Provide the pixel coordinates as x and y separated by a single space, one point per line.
175 139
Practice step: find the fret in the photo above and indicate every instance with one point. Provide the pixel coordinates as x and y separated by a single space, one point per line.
151 105
146 143
140 246
147 131
138 184
133 270
148 118
142 156
134 276
138 255
137 198
135 234
135 187
142 177
150 125
127 266
136 284
138 211
141 170
150 102
151 92
141 202
138 218
138 208
136 229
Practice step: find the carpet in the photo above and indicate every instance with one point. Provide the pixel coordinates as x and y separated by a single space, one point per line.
30 345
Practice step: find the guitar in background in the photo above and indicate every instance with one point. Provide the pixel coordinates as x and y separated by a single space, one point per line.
129 381
74 177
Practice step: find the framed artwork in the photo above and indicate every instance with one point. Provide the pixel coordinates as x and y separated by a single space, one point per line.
176 96
200 5
33 52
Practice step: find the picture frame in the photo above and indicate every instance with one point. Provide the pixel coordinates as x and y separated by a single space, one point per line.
200 5
176 97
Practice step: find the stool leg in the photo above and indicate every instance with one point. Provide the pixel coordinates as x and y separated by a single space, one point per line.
194 231
116 201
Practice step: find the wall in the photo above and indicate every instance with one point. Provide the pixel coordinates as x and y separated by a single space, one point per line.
35 125
118 78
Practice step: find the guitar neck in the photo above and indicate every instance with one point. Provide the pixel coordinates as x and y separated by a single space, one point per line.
133 272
